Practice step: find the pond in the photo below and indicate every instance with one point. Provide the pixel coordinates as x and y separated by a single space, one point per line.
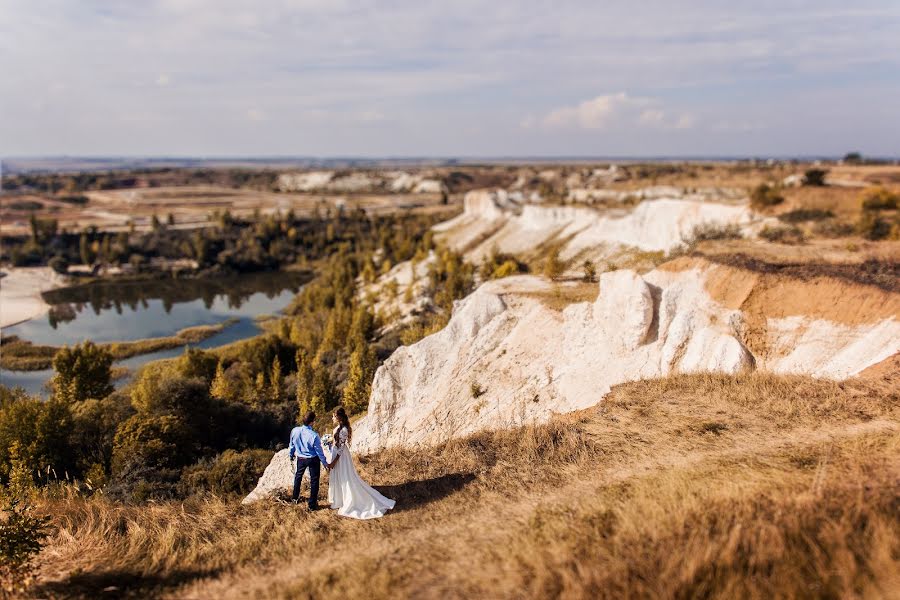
126 311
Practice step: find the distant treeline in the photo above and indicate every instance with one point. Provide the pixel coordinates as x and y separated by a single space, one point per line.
73 183
233 245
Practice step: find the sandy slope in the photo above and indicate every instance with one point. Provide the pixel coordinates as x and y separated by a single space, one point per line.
20 293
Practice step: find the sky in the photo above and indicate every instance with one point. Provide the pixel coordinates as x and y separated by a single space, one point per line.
467 78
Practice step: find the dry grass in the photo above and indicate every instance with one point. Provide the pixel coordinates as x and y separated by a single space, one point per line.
562 296
691 486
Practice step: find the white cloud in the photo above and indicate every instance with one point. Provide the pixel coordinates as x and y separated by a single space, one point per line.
443 78
614 111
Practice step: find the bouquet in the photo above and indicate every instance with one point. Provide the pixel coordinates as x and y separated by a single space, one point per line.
327 439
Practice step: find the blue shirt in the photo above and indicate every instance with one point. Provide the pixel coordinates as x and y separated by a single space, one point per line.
305 443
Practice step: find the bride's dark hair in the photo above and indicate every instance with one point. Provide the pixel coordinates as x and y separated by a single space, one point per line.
344 420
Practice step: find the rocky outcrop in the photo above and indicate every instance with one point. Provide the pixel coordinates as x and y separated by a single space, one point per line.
531 360
278 477
506 222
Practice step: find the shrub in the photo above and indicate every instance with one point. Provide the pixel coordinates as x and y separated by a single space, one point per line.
59 264
74 199
873 226
880 198
33 433
231 472
715 231
589 270
765 195
782 235
802 215
832 228
22 536
476 390
553 266
814 177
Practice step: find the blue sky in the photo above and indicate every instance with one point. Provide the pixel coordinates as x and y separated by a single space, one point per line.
462 78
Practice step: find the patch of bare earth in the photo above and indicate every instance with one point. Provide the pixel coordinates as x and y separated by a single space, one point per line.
714 486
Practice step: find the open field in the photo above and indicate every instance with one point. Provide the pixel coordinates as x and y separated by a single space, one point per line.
768 486
191 206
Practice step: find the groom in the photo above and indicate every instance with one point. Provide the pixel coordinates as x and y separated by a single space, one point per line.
305 443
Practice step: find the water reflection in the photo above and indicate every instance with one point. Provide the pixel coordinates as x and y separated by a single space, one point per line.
108 311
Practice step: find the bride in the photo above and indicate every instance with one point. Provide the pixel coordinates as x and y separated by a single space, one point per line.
350 495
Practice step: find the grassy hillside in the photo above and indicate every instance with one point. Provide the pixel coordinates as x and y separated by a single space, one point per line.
691 486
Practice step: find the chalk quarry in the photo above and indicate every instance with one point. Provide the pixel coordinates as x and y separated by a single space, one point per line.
517 350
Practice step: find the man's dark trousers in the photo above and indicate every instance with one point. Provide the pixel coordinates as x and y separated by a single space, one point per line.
315 467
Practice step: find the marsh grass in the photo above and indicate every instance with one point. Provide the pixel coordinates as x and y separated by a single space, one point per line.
795 495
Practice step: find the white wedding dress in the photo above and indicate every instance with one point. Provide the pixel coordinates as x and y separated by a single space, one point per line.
347 492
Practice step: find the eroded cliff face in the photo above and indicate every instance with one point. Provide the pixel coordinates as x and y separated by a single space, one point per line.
508 357
495 219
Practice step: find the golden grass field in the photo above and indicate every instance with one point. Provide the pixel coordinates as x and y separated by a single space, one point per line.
694 486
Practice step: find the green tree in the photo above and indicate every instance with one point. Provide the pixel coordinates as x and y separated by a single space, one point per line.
275 380
359 379
84 250
225 386
82 371
304 379
323 395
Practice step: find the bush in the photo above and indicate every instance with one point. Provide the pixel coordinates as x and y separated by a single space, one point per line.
873 226
714 231
880 199
476 390
59 264
33 433
229 473
22 536
74 199
782 235
553 266
832 228
82 372
802 215
589 271
765 195
814 177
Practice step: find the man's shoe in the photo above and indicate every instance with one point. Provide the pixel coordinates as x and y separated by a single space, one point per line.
313 507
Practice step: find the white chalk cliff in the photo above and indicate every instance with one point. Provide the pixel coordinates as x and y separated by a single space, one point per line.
532 361
495 219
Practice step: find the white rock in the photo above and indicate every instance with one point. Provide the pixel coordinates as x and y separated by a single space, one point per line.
278 477
624 308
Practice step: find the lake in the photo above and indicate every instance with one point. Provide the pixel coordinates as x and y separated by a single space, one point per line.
125 311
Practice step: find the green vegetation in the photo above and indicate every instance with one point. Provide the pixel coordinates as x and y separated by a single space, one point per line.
880 198
764 196
204 421
880 219
782 234
22 536
802 215
814 177
498 265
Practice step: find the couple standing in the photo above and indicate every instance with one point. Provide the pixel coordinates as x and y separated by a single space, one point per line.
347 492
